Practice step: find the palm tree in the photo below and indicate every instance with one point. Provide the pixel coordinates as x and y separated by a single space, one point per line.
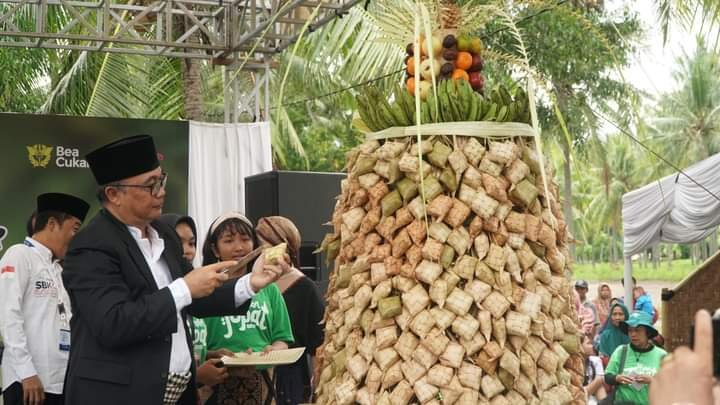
689 14
686 126
688 120
616 169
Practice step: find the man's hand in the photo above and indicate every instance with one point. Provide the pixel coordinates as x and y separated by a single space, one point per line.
210 373
33 391
687 376
204 280
264 274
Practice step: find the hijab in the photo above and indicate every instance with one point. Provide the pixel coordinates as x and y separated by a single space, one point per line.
612 336
276 230
602 305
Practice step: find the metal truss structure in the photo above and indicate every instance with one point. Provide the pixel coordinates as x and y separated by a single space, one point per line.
238 34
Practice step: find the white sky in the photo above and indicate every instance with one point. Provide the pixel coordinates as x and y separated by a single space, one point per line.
652 67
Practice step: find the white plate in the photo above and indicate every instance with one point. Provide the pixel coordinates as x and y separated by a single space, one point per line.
274 358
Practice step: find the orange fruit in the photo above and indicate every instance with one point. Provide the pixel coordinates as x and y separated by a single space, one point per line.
463 60
460 74
411 86
411 66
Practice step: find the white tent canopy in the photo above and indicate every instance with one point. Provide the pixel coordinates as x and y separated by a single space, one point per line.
673 209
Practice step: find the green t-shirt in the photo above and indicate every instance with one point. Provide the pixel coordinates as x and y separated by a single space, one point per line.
636 363
199 339
265 322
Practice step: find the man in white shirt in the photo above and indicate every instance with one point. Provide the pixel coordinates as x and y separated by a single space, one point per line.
132 290
35 313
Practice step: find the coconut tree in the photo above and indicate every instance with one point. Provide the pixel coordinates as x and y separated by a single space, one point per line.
688 120
686 126
616 169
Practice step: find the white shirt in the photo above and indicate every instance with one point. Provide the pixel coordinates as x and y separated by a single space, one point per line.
152 248
596 366
30 321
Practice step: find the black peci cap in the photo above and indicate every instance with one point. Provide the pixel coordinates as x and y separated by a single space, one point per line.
65 203
124 158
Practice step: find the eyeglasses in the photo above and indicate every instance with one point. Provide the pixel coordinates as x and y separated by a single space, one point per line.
155 187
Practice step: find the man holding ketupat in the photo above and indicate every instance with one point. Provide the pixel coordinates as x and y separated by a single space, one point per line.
132 291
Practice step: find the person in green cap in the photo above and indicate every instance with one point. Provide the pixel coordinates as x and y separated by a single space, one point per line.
633 366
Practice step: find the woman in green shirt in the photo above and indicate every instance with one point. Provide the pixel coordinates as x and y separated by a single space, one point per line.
641 361
265 326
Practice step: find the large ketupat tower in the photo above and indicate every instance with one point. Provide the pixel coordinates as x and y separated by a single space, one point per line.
449 247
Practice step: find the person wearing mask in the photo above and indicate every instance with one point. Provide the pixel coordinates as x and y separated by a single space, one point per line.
210 369
132 290
602 302
264 328
612 335
305 306
632 366
35 312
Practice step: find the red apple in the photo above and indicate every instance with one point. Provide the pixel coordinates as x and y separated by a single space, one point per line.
477 81
477 63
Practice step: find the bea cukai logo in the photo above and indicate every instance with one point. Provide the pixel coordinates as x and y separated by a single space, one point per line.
39 155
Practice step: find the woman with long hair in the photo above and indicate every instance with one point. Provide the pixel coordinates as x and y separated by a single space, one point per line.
305 306
264 328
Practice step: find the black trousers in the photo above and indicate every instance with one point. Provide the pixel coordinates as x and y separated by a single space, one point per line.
13 395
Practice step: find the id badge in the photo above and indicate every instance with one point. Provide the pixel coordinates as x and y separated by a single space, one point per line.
65 340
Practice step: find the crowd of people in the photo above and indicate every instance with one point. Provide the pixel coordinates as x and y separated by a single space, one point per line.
115 313
623 349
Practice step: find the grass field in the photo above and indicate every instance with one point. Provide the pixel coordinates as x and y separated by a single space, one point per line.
609 272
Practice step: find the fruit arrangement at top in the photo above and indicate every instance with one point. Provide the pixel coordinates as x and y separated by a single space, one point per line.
456 58
455 65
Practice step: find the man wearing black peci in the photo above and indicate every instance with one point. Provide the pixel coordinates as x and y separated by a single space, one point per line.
35 312
132 291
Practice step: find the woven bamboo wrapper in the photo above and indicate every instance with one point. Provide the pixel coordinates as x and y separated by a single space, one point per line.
454 293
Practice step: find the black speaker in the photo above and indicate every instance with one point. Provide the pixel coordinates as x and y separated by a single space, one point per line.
306 198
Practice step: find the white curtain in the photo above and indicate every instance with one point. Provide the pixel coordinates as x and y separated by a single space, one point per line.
673 209
221 156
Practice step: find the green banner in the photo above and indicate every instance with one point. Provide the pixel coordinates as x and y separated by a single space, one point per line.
45 153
